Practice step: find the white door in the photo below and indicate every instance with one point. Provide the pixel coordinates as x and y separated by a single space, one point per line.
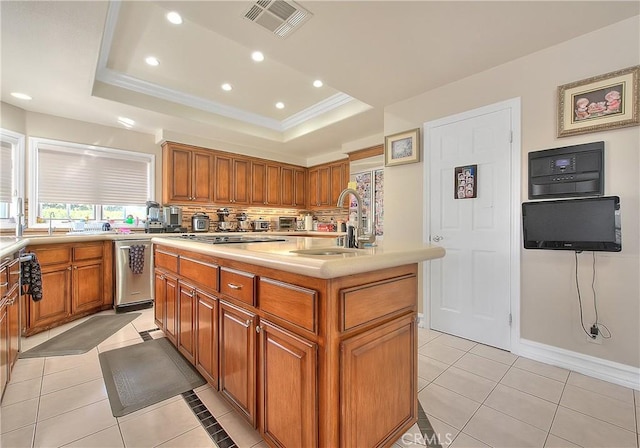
469 289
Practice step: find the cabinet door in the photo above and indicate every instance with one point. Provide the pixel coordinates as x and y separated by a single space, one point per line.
55 304
13 322
287 193
300 184
4 349
223 169
273 185
324 186
186 314
287 368
338 181
87 287
371 364
241 178
207 337
258 183
171 308
177 182
237 359
202 177
160 301
314 187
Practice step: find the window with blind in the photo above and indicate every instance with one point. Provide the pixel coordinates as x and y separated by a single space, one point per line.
79 182
11 175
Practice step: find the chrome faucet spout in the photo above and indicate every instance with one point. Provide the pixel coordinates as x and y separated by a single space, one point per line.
360 236
51 215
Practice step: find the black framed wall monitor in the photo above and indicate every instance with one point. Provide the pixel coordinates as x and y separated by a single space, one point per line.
573 224
570 171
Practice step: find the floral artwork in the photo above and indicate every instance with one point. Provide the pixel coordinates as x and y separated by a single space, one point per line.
402 148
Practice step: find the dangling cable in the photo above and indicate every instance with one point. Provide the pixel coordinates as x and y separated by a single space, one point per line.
579 297
595 301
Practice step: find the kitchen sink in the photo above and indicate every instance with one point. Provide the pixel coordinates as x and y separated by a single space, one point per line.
327 251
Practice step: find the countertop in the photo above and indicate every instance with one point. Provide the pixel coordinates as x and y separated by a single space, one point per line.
276 255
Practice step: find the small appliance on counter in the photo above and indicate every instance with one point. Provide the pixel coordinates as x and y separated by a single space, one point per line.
200 222
260 225
173 219
153 223
287 223
223 225
244 224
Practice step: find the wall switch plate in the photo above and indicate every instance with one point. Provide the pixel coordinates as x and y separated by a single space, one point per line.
596 340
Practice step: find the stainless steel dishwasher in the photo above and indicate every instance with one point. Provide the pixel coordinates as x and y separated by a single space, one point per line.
134 284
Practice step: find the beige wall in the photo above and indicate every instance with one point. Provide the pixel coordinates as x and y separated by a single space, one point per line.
549 306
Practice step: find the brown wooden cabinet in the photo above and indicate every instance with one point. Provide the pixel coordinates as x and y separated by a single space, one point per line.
206 335
76 281
294 187
287 367
186 321
326 182
237 349
265 183
186 173
9 315
4 347
232 177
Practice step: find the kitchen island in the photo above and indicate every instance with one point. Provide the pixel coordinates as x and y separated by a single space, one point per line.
313 344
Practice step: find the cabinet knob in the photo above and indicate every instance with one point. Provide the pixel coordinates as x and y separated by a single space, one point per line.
248 323
69 268
234 286
258 329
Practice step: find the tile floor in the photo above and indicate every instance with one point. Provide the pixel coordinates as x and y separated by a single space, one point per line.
473 395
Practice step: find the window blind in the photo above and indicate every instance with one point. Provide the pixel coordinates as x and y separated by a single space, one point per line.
6 171
86 176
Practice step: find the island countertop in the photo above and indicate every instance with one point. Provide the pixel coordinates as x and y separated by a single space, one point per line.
286 255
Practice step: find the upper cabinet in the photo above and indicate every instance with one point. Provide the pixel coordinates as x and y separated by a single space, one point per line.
187 174
294 186
232 177
326 182
266 182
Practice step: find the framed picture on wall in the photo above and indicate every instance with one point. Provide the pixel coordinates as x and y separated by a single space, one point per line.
465 180
600 103
402 148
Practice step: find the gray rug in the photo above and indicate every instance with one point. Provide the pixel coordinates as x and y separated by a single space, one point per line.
81 338
143 374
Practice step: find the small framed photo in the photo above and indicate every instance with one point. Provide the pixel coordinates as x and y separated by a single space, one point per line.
465 182
402 148
600 103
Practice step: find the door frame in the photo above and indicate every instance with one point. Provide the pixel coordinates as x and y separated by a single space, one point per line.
514 105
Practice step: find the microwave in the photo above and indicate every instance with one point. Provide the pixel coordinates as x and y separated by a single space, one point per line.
287 223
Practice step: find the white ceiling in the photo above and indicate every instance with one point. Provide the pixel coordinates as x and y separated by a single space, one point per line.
85 60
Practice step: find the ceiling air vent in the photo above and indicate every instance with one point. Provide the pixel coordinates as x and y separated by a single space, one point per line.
278 16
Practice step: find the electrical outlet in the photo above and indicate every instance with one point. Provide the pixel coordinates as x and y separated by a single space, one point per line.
596 340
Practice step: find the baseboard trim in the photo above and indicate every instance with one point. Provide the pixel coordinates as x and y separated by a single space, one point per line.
621 374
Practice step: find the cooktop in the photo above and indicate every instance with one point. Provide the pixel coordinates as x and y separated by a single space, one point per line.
231 239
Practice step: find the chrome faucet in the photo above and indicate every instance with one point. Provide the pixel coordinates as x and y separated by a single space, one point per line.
360 236
19 216
51 228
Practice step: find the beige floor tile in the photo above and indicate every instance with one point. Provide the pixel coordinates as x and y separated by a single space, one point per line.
262 444
239 430
442 353
533 384
197 437
71 398
62 380
27 369
455 342
145 322
638 419
24 390
451 408
153 407
429 368
494 353
601 387
214 402
18 415
500 430
412 437
425 335
74 425
466 383
553 372
522 406
557 442
32 341
422 383
158 426
157 334
463 440
636 394
55 364
116 345
107 438
445 433
20 438
126 333
620 413
484 367
590 432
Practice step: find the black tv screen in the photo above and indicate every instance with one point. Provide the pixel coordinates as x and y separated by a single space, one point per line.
573 224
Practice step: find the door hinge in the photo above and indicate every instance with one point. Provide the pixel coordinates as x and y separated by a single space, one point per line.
510 319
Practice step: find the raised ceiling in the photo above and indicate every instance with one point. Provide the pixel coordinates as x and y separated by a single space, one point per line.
85 60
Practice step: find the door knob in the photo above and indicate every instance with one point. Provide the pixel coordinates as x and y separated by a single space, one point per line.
437 238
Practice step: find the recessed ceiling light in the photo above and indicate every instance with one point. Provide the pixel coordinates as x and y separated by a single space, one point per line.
127 122
257 56
21 96
174 18
280 105
226 86
317 83
152 60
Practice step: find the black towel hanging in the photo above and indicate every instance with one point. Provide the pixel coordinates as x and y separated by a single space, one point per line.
32 277
136 258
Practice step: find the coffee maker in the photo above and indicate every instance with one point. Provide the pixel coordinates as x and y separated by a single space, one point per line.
173 219
154 223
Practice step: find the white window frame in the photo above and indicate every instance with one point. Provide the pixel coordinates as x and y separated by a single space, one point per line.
17 157
35 142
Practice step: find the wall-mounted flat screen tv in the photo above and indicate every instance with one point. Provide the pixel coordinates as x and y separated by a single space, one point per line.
573 224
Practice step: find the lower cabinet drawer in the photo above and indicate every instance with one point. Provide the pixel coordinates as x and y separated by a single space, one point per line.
206 274
87 252
166 260
238 284
292 303
53 255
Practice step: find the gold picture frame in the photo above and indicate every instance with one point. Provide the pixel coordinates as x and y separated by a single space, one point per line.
402 148
600 103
